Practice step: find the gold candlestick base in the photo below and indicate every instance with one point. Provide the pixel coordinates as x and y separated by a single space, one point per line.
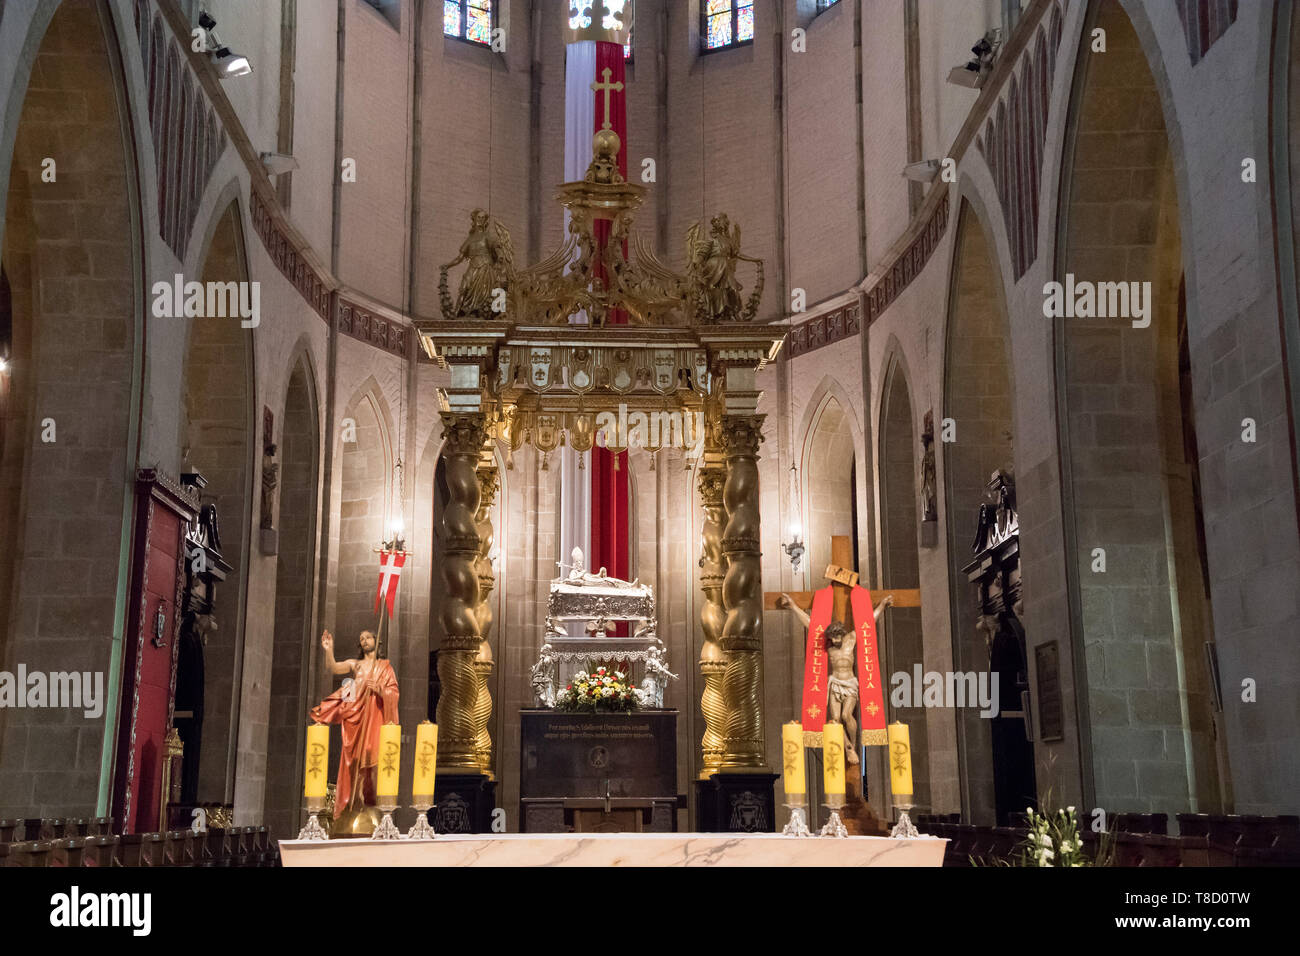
387 829
904 828
798 825
834 826
421 830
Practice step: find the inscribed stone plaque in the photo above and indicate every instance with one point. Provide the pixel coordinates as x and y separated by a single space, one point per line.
1047 660
594 755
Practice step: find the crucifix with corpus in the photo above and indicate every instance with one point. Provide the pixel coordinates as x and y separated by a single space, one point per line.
842 626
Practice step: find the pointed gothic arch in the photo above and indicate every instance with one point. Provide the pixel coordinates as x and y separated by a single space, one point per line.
217 427
1129 446
994 755
899 513
294 631
71 261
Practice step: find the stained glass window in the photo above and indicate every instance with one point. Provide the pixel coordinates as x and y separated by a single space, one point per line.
468 20
726 23
823 4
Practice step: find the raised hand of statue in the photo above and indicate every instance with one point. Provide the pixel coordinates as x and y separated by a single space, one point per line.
327 641
786 603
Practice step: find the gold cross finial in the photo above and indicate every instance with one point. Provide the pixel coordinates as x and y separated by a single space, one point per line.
608 88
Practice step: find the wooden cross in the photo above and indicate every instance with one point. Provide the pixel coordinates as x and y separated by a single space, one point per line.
842 580
607 87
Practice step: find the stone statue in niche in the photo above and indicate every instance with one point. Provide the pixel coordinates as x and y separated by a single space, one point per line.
270 468
270 481
929 508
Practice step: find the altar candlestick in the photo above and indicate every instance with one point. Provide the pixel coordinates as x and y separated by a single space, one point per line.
426 759
792 747
316 772
390 760
900 759
833 759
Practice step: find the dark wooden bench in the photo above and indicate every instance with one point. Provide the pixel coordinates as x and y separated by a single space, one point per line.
30 853
69 851
102 850
216 848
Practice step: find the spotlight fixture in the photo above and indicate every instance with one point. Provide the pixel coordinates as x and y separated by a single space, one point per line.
974 72
278 163
922 172
226 63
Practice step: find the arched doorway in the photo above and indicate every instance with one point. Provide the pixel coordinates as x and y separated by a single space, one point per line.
828 471
904 647
1138 564
69 334
367 479
976 440
294 576
217 426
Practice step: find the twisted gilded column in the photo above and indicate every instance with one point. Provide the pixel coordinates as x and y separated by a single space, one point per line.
464 434
742 597
713 662
488 481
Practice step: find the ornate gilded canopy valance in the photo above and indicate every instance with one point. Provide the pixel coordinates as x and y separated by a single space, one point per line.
593 342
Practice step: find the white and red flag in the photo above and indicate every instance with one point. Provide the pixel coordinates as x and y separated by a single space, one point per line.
390 570
594 504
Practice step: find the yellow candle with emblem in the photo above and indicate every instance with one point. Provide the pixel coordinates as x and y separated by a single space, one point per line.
390 760
426 760
792 757
833 759
316 773
900 759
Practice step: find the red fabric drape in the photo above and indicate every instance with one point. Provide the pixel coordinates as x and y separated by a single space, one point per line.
609 490
373 704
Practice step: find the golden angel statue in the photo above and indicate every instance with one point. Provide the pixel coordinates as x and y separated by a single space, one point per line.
712 270
490 269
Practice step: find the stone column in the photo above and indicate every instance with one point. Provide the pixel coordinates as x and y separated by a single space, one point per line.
488 482
742 597
465 434
713 662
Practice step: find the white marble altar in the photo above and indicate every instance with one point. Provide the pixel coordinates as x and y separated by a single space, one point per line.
618 849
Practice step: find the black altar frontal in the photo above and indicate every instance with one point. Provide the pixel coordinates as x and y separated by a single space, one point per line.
590 773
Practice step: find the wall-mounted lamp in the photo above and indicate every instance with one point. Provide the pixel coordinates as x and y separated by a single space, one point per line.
794 548
395 540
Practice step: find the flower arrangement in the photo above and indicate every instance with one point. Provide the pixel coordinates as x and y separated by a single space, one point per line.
1054 840
602 689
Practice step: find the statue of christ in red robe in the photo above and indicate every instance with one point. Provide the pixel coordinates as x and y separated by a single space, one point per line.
362 706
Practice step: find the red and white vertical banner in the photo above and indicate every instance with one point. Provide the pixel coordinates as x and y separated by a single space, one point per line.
594 501
390 572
